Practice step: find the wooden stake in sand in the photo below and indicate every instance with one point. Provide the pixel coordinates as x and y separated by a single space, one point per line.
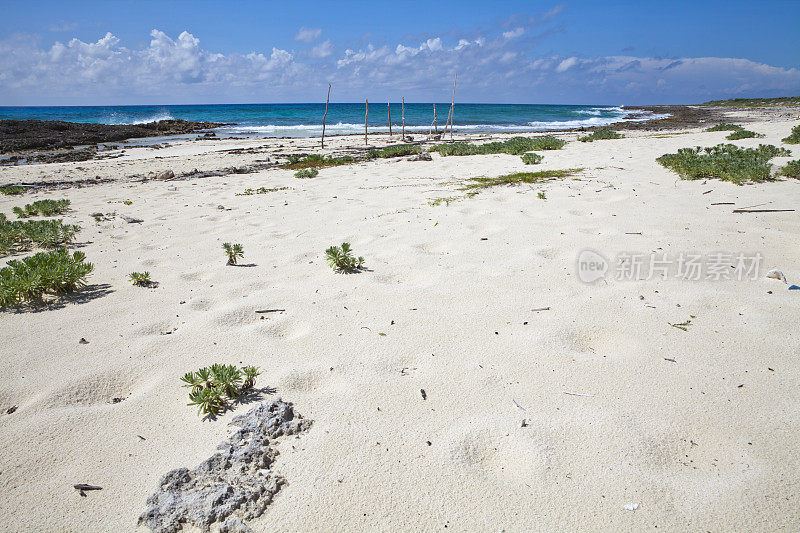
453 107
366 115
325 115
435 126
404 118
389 107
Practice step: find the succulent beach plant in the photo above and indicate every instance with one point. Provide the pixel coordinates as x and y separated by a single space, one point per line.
140 279
45 208
55 273
233 251
212 388
22 235
794 137
532 158
307 173
599 135
726 162
341 259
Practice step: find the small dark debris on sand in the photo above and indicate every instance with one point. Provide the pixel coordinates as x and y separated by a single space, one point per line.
233 485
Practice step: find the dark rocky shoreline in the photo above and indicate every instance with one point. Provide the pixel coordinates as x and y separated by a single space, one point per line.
21 136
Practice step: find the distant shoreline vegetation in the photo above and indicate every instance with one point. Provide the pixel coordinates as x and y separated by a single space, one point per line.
755 102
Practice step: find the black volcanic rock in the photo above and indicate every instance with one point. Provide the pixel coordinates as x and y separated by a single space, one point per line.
27 135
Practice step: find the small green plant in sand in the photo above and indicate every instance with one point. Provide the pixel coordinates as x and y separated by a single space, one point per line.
260 190
212 388
518 178
45 208
794 137
792 169
600 135
233 251
300 161
683 325
532 158
341 259
12 190
140 279
726 162
45 273
512 146
307 173
393 151
541 195
22 235
725 127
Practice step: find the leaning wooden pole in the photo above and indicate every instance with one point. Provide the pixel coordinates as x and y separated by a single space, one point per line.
453 107
328 99
366 115
389 108
435 125
403 110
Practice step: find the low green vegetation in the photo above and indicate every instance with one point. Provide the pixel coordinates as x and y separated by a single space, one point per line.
755 102
518 178
46 273
45 208
212 388
307 173
341 259
532 158
393 151
301 161
600 135
260 190
794 137
541 195
725 127
233 251
743 134
792 169
140 279
12 190
726 162
683 325
512 146
22 235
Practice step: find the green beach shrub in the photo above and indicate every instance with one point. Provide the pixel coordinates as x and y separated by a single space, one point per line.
541 195
301 161
600 135
22 235
532 158
393 151
54 273
725 127
548 142
233 251
743 134
341 259
213 387
307 173
45 208
12 190
794 137
792 169
260 190
726 162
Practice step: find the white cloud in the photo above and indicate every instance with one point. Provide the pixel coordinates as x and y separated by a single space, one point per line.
567 64
308 35
513 34
322 50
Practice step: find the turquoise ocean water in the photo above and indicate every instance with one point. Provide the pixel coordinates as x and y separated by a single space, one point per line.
302 120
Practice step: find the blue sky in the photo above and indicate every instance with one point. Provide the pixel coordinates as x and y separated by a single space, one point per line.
83 53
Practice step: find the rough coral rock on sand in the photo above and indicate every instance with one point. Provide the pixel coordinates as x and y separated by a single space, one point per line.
233 485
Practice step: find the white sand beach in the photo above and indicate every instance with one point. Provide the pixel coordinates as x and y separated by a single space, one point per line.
531 419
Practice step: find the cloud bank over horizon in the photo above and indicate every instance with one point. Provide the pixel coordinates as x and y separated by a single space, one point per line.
501 66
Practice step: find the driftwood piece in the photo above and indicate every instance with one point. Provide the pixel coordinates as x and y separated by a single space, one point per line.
325 115
271 311
762 210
